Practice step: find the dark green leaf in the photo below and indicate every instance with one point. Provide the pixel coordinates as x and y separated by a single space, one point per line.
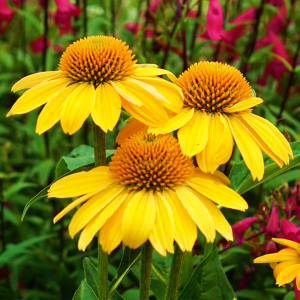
208 280
91 274
129 259
161 273
241 179
187 269
158 288
252 294
84 292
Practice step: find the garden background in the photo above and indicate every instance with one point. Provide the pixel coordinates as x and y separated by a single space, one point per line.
38 259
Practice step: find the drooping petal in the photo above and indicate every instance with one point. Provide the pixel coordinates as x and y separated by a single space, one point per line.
110 235
282 255
220 222
163 234
33 80
144 72
92 207
107 108
288 275
51 113
138 219
134 126
175 122
198 211
245 104
283 265
218 193
38 96
193 135
77 108
81 183
99 220
287 243
169 90
248 147
185 227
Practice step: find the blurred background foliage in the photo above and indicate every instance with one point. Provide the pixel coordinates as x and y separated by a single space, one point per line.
38 260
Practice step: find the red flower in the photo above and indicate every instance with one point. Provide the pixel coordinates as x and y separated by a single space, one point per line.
37 46
277 22
6 15
272 226
242 226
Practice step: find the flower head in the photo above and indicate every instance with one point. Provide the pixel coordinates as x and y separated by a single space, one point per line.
218 103
150 190
97 75
288 267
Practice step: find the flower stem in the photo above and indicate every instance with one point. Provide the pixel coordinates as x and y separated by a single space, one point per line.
175 274
100 160
145 275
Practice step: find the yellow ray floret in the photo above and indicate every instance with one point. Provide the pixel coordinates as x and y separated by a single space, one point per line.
97 76
150 191
217 111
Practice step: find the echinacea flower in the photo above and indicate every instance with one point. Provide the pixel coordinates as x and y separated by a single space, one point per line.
218 104
150 190
97 75
288 267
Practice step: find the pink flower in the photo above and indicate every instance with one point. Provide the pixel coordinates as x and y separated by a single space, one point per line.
271 248
277 22
58 47
192 14
242 226
288 228
272 226
37 46
152 8
65 11
6 14
135 28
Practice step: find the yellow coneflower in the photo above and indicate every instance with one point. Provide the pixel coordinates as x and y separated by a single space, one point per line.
217 109
289 267
150 190
97 75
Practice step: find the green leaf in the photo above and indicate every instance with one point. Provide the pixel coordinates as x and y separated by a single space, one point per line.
129 259
161 273
253 294
15 188
91 274
15 249
124 116
260 54
158 288
241 179
208 280
285 62
289 296
84 292
187 269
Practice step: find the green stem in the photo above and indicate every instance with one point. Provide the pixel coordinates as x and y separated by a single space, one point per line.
100 160
145 275
175 274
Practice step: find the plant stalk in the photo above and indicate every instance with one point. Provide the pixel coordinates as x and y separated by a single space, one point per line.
175 274
145 275
100 160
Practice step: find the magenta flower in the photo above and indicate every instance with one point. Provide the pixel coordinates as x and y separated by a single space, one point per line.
242 226
277 22
37 46
65 11
272 226
289 230
6 14
152 8
271 248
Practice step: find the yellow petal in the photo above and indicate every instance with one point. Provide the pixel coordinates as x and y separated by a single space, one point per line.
287 243
99 220
288 275
77 108
125 93
298 281
272 132
38 96
163 234
107 109
134 126
92 207
185 227
217 176
144 114
170 91
51 113
110 235
175 122
283 265
81 183
220 222
193 135
282 255
248 147
245 104
138 219
33 80
150 72
267 141
198 212
218 193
